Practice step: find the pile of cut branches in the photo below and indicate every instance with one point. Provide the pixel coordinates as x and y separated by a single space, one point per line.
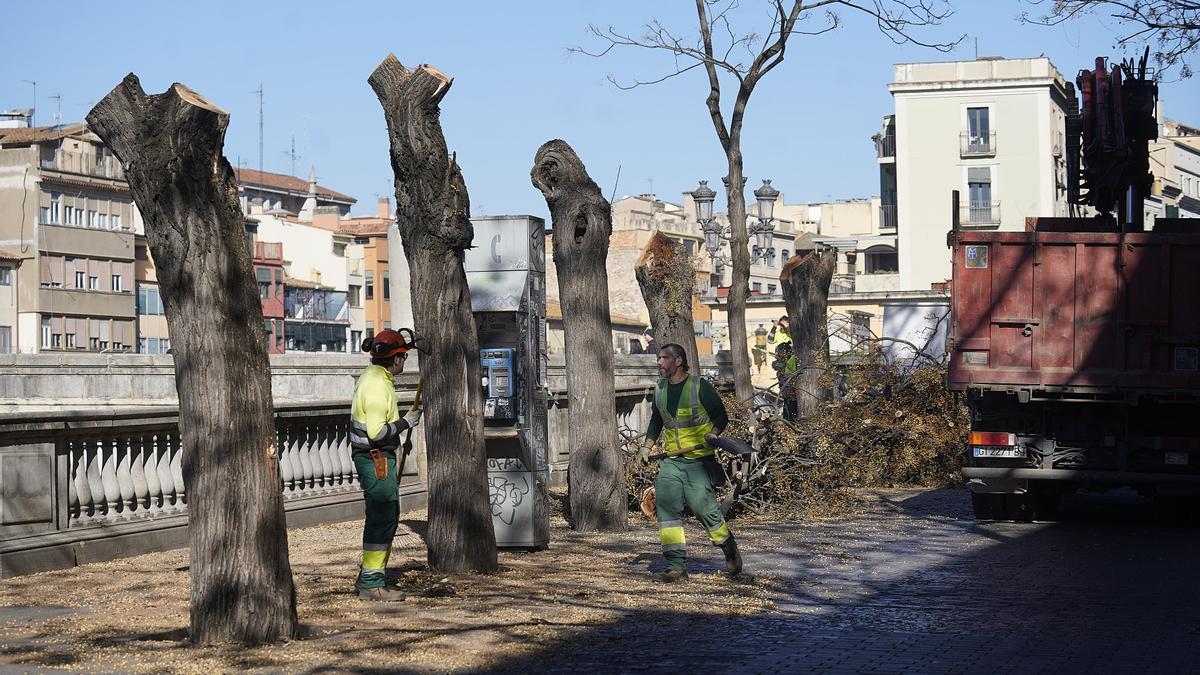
891 427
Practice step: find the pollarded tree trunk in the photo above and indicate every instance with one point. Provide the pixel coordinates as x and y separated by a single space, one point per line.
582 221
739 282
805 282
433 217
171 144
666 276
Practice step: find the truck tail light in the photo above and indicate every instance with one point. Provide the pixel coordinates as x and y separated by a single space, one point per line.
993 438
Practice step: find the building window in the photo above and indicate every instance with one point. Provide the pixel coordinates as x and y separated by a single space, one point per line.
46 333
56 340
93 283
770 257
979 191
356 338
6 276
355 299
116 283
978 128
149 301
370 329
50 214
264 283
93 219
882 260
94 343
370 284
116 221
387 287
279 284
783 258
70 340
6 346
756 287
80 279
770 289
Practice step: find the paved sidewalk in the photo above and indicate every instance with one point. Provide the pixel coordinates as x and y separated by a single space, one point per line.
910 584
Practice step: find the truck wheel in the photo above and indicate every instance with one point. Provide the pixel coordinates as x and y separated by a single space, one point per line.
987 506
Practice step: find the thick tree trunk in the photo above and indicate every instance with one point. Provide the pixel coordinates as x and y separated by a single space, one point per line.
739 286
582 222
171 145
433 217
667 279
805 283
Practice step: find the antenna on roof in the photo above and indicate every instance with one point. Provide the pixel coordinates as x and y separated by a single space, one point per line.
259 91
33 111
292 155
57 98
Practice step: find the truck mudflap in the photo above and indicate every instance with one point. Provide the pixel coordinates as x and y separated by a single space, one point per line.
991 479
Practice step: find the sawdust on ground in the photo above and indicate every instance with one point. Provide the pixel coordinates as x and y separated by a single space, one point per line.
131 615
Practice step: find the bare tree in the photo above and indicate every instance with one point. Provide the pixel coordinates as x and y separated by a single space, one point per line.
667 278
805 283
433 214
582 221
722 59
1174 25
171 146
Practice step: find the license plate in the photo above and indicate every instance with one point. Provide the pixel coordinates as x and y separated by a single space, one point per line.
991 451
1177 458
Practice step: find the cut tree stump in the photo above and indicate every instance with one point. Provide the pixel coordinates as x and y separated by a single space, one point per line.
667 279
433 216
171 147
582 222
805 283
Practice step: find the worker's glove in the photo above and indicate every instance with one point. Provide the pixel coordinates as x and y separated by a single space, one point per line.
413 418
644 454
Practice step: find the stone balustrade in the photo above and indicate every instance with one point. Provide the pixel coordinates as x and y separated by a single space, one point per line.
83 485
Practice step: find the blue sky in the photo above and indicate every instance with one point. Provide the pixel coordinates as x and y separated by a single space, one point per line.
808 125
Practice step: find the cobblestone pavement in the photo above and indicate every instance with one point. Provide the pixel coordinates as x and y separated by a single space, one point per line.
915 585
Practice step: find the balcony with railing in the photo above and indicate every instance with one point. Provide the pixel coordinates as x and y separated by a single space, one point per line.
980 214
887 218
885 147
977 144
268 250
841 284
85 164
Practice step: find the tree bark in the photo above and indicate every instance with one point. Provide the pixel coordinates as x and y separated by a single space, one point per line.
170 144
805 282
582 222
433 217
739 282
665 274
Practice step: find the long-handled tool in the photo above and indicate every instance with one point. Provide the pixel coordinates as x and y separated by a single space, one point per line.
407 445
732 446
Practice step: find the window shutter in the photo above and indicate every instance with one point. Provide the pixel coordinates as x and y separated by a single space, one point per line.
979 174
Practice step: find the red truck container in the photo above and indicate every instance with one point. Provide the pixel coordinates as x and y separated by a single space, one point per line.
1079 352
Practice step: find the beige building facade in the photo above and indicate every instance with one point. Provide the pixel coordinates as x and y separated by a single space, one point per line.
66 210
993 129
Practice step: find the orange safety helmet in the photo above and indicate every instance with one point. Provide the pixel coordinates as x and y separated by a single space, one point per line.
387 342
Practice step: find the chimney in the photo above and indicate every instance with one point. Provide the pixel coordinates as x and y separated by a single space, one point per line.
326 217
385 207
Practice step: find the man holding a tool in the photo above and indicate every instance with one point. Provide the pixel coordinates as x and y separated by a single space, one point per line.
375 434
689 414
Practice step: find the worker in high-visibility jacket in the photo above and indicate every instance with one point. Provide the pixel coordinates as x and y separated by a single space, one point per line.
687 409
781 332
375 431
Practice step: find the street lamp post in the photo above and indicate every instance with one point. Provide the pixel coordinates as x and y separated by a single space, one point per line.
714 233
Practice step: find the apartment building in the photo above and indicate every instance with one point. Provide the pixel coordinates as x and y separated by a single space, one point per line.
993 129
10 263
372 295
266 191
1175 163
66 211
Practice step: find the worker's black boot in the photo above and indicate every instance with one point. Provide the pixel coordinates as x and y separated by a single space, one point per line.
671 576
733 559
